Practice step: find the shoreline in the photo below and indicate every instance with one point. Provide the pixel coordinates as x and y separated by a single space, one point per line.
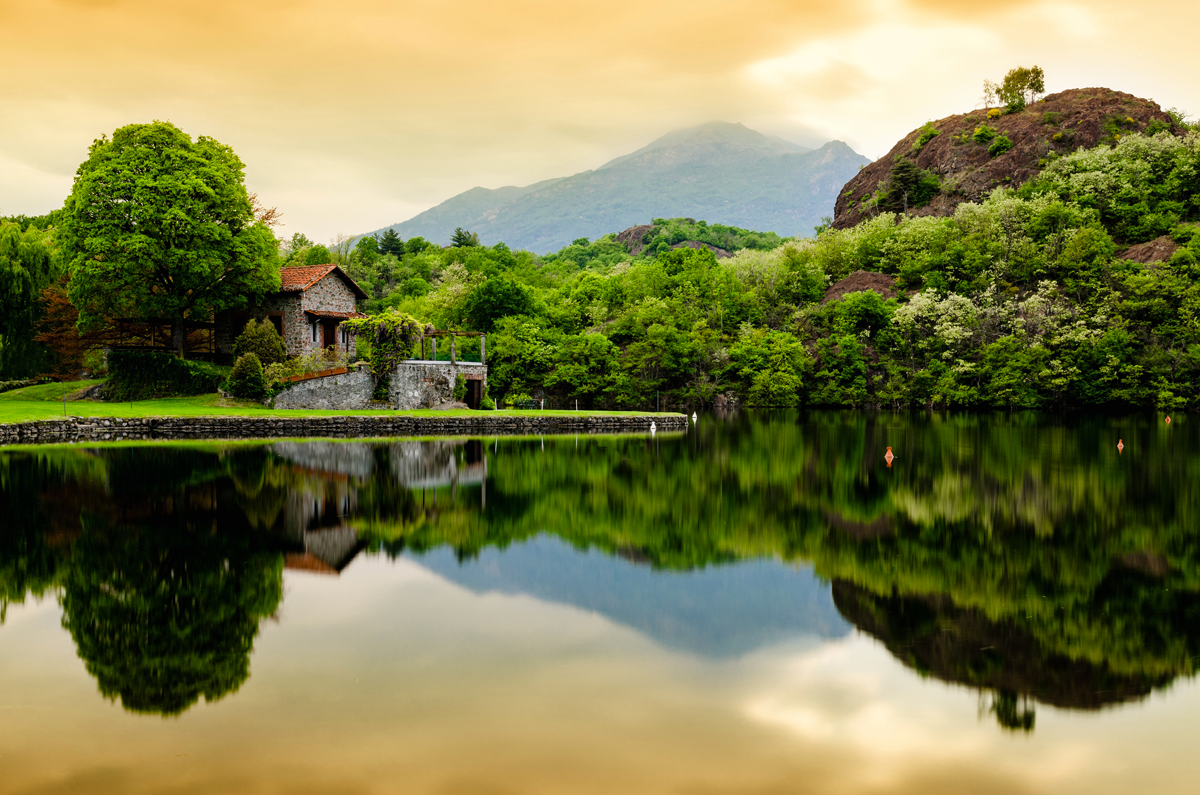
352 426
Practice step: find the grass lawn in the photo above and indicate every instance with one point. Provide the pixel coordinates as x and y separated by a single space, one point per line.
45 402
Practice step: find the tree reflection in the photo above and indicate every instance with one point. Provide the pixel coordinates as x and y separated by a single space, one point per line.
1015 554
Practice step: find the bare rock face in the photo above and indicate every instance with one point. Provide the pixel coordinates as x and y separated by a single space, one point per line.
1160 249
1061 123
632 238
859 281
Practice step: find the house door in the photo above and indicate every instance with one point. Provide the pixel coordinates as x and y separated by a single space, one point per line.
329 333
474 393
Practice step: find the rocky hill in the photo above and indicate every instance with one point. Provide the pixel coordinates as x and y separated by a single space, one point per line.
972 153
720 172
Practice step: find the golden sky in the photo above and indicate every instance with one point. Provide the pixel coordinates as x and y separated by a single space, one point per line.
354 114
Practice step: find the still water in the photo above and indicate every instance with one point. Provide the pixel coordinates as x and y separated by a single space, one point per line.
761 605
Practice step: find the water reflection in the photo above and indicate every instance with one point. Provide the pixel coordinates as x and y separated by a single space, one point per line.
1018 555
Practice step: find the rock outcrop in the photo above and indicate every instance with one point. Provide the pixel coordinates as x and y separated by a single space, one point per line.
1057 125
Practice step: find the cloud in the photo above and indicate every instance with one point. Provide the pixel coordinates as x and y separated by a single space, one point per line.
352 114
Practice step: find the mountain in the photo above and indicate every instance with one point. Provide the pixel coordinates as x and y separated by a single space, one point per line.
717 611
973 153
718 172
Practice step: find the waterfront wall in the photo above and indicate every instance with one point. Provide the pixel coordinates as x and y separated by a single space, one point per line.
96 429
415 384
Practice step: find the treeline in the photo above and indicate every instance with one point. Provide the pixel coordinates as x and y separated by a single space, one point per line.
1021 301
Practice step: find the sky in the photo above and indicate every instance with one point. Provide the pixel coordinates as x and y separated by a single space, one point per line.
351 115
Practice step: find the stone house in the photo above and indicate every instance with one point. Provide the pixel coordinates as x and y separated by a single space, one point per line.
308 311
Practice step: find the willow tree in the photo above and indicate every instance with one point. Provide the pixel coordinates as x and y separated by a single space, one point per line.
159 225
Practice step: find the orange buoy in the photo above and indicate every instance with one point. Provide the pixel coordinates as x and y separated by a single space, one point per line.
889 457
1168 420
1120 445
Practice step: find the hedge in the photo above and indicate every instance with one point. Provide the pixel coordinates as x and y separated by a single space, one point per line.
7 386
135 375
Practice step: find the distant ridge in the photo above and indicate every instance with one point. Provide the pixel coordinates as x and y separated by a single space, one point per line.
718 172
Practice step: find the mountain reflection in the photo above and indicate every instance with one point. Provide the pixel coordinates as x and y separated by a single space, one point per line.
1014 554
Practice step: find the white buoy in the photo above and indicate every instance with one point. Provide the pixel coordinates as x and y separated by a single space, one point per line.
693 417
653 428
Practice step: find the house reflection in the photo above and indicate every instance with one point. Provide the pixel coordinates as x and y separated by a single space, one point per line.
323 499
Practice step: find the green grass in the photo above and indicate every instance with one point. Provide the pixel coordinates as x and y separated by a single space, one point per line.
44 402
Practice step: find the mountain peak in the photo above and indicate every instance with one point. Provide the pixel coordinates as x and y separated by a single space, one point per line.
713 133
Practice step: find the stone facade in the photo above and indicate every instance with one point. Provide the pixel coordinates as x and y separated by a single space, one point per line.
484 423
415 384
419 383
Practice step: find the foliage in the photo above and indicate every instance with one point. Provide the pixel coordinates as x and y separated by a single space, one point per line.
58 330
908 186
138 375
246 380
1000 145
261 339
392 335
496 298
28 265
983 134
463 239
160 226
1020 87
928 133
460 387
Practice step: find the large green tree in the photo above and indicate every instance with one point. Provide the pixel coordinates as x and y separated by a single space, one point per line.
159 225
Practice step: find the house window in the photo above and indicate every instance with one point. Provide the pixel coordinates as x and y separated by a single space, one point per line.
314 328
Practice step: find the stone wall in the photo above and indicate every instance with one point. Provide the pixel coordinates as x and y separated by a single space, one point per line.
415 384
484 423
350 391
419 383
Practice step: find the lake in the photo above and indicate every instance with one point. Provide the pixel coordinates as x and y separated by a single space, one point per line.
764 604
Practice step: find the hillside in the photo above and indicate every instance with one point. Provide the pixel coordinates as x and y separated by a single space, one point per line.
964 157
719 172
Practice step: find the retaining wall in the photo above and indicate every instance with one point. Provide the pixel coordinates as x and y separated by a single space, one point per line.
95 429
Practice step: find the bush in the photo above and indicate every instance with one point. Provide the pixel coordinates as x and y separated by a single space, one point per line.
8 386
139 375
1000 145
487 403
261 339
928 133
983 134
246 380
460 387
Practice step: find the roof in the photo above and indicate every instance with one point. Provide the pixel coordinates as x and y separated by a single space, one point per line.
297 280
338 315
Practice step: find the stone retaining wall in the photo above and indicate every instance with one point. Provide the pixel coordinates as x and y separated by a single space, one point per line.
96 429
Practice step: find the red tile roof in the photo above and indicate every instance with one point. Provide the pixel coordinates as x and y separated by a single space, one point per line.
297 280
339 315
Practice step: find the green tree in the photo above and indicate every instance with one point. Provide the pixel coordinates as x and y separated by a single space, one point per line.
463 239
500 296
158 225
261 339
390 243
27 267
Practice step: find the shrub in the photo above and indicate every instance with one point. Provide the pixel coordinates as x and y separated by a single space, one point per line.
8 386
246 380
995 113
460 387
983 134
908 186
138 375
1000 145
928 133
487 403
261 339
1051 118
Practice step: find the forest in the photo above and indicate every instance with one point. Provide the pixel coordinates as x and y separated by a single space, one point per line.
1027 299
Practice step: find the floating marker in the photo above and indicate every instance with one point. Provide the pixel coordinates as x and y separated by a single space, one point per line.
693 418
1120 445
653 428
889 456
1168 420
